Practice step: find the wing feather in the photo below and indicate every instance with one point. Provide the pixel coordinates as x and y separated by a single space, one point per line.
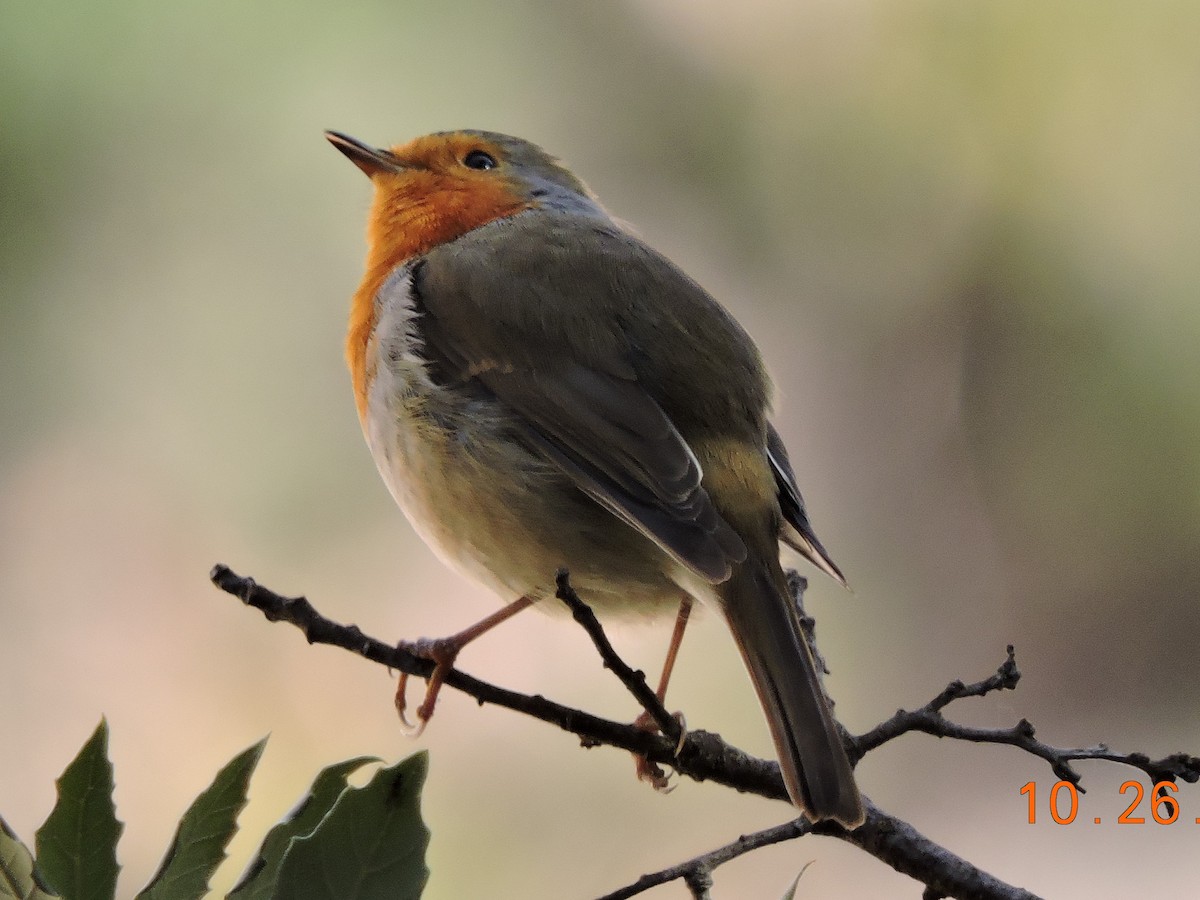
575 395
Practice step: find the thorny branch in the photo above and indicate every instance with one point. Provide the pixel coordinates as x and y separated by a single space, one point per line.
704 756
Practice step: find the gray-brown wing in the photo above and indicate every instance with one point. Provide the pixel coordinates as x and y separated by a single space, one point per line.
573 390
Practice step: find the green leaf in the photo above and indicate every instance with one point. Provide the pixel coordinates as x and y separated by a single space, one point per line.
77 844
258 881
204 832
370 846
19 877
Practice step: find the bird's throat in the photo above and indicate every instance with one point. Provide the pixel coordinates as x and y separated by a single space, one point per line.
413 212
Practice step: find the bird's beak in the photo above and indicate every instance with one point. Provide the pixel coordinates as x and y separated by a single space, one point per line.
370 160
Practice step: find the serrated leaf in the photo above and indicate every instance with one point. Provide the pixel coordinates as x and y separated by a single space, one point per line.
258 881
77 844
204 832
19 877
370 846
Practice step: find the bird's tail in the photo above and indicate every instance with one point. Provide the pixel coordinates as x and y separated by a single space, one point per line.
766 625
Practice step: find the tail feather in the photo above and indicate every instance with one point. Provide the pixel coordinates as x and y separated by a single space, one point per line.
766 626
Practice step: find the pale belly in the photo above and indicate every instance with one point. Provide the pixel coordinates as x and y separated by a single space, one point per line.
489 507
498 513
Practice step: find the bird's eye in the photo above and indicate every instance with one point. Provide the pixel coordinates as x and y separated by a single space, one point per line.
477 159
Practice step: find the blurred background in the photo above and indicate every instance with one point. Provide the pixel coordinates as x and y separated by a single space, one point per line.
964 235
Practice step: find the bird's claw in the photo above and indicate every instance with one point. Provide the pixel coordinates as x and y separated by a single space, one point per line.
652 774
649 771
442 652
410 729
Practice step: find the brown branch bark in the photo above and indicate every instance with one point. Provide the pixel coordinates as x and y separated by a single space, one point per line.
704 756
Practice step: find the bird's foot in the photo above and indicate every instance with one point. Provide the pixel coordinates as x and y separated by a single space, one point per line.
648 770
442 652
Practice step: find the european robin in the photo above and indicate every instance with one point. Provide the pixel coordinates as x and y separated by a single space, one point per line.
540 389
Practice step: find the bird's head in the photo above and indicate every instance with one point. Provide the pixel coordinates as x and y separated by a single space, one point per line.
440 186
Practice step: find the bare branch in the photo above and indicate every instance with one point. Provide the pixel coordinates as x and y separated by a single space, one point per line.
703 865
633 679
704 756
887 838
929 720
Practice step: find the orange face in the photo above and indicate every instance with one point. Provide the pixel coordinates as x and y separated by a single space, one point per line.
431 196
437 196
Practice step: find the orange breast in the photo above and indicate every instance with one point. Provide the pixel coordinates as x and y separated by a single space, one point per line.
413 212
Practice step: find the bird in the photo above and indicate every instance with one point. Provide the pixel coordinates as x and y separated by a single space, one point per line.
542 390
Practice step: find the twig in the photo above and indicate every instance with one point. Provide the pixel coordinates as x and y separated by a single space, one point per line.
929 720
705 863
706 757
633 679
883 836
907 850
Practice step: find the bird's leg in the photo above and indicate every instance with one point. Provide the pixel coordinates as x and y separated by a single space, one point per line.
646 770
443 652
